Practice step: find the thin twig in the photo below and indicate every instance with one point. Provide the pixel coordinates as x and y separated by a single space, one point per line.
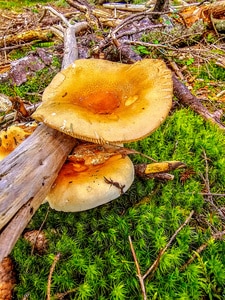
60 296
137 30
209 197
212 194
56 258
39 230
59 15
216 236
137 17
140 277
206 194
18 46
185 97
207 185
153 267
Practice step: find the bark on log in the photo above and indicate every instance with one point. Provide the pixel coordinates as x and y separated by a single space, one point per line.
30 170
27 174
70 46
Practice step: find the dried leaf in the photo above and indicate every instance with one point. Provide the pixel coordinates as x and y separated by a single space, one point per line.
37 239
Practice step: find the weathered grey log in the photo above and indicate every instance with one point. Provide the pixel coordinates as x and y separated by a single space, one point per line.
27 174
30 170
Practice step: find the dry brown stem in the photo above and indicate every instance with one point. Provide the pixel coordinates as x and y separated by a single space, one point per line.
208 194
140 277
38 232
185 97
56 259
60 296
155 264
216 236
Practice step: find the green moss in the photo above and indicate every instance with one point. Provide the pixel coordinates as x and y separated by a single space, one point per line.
17 4
96 260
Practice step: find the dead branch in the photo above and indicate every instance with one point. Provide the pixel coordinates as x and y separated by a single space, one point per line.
155 264
80 5
125 7
158 170
26 176
140 277
56 259
185 97
24 37
136 17
70 42
216 236
153 267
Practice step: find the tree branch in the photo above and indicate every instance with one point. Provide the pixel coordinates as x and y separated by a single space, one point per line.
185 97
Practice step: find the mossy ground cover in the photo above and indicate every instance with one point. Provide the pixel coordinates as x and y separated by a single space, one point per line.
18 4
95 257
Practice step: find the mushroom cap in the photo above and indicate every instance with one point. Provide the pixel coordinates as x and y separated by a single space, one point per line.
102 101
81 187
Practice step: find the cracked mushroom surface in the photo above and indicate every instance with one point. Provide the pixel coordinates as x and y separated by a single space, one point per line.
101 101
92 176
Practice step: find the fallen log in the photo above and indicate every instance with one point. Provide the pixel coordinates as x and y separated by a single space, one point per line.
26 177
27 174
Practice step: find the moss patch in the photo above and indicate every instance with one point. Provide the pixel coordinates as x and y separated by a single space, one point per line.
96 261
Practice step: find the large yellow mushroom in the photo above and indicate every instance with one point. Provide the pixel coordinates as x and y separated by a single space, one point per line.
104 102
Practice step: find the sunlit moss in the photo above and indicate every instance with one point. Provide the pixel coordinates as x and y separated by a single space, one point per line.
96 260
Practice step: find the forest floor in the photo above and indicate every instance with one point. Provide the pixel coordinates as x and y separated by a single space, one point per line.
161 239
